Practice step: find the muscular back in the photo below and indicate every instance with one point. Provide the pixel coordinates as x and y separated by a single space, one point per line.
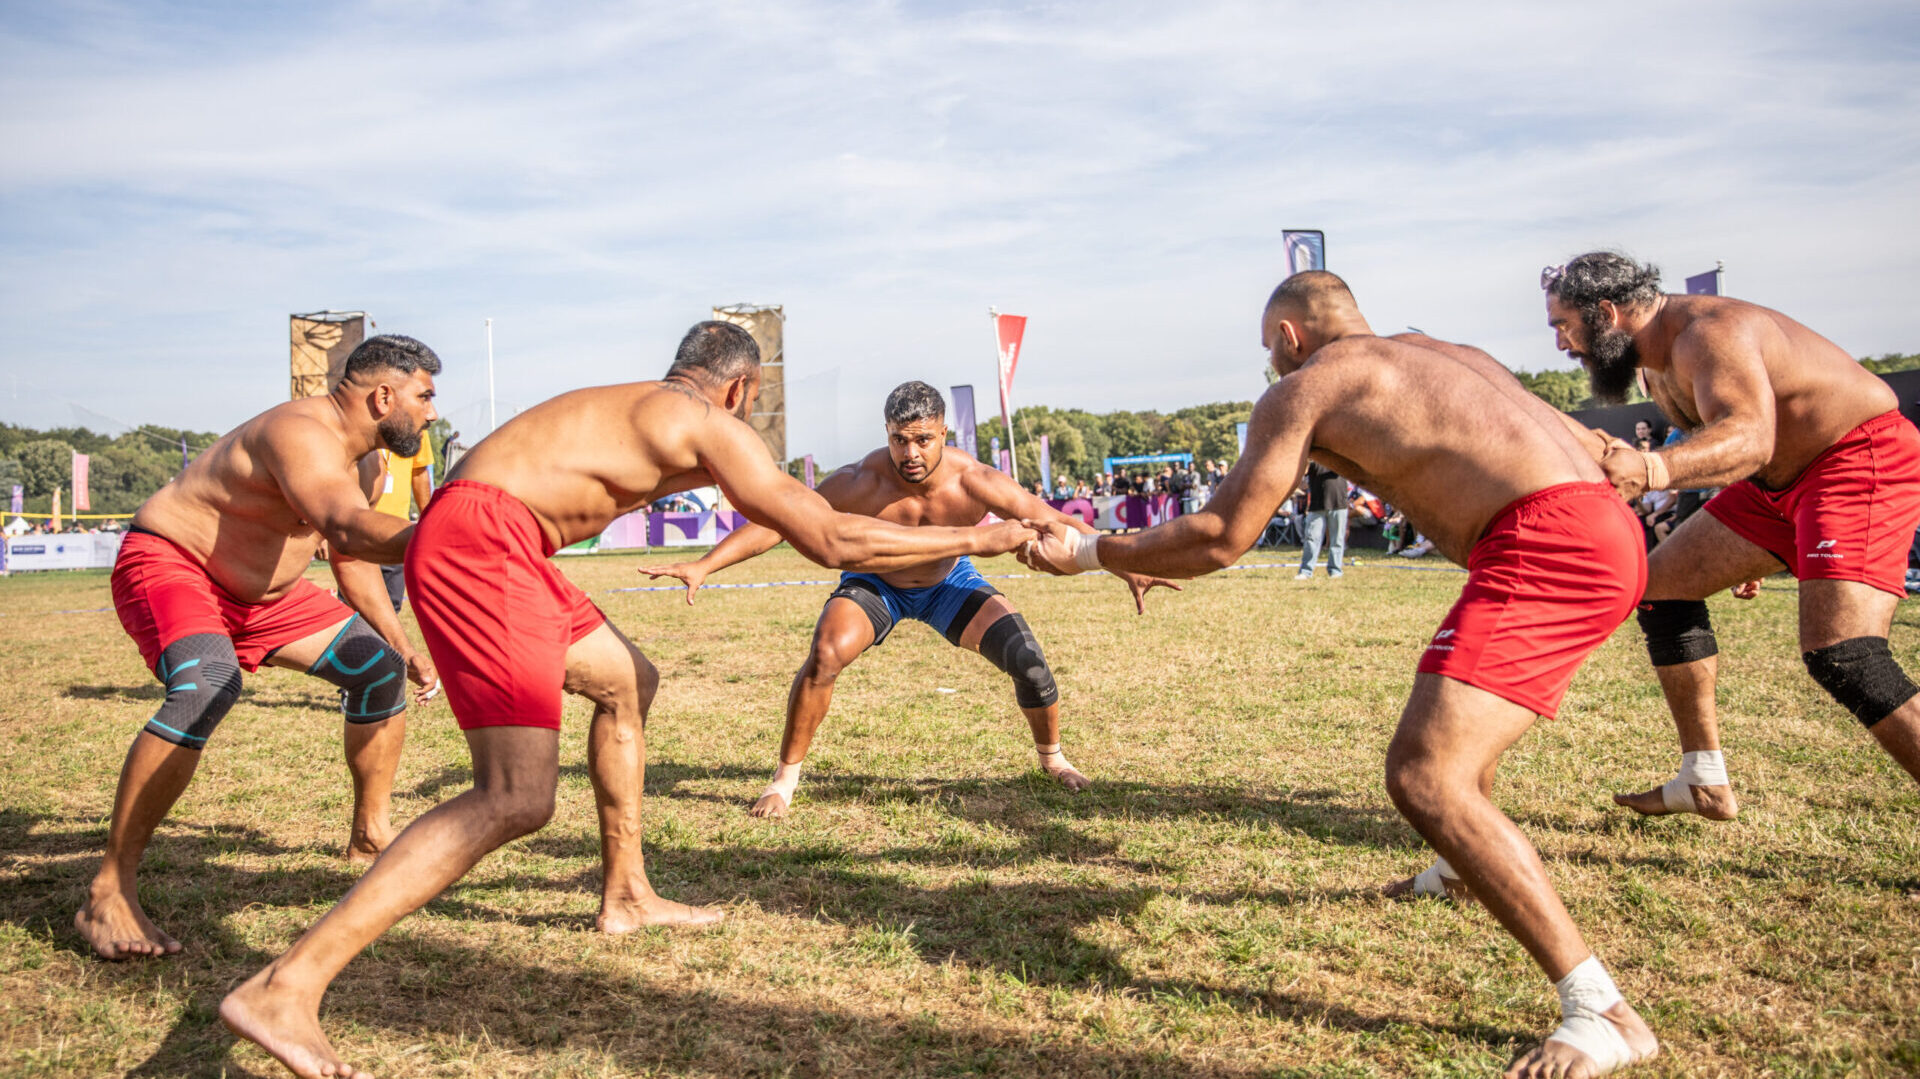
229 510
1726 360
583 458
956 494
1441 431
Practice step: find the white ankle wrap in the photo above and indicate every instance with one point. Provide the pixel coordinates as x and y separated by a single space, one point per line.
786 779
1701 768
1432 880
1050 755
1585 993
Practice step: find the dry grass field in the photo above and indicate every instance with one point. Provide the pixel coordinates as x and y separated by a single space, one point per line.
934 906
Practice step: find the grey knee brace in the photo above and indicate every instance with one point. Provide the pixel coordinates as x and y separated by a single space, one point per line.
1009 645
371 675
203 681
1678 631
1861 674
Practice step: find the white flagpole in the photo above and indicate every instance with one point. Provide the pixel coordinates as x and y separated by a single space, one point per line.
1006 397
492 423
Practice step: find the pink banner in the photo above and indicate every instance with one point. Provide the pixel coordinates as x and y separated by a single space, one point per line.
81 503
1009 329
810 483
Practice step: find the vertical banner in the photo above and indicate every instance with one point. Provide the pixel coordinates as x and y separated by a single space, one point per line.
810 483
82 501
1306 249
1706 284
56 509
1240 432
1046 468
996 454
965 426
19 499
1006 461
183 453
1008 330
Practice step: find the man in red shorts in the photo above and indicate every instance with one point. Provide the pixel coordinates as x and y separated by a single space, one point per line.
1821 477
510 633
209 581
1501 483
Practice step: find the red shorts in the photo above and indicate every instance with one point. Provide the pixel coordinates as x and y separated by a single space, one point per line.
1849 517
1553 576
161 595
497 616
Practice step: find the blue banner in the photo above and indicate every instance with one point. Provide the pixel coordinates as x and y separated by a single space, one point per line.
965 427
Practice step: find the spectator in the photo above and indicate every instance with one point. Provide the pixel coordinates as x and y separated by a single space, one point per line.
1326 519
1083 489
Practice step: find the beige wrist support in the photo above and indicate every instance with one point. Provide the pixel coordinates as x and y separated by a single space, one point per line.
1657 474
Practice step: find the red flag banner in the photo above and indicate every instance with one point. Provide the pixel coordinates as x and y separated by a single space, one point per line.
1009 329
81 503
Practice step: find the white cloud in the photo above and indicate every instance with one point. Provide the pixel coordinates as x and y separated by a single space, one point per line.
594 181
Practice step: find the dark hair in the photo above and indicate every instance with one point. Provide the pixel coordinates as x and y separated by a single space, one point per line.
391 351
912 401
719 351
1307 286
1604 275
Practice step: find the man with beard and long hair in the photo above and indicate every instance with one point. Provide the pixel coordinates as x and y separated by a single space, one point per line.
513 634
211 580
916 480
1822 478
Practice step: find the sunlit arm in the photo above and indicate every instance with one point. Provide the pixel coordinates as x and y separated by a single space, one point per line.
1735 402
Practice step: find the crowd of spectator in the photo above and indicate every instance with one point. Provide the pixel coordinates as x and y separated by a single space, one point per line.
1193 485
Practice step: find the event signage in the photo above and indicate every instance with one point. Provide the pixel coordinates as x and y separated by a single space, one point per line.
810 483
1046 466
81 502
66 550
1008 330
19 499
1306 249
1240 432
965 427
1705 284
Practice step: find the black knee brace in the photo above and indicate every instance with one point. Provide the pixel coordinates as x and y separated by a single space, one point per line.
371 675
1009 645
1861 674
1678 631
203 681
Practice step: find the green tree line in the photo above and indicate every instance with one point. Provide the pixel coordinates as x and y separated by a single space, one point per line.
122 470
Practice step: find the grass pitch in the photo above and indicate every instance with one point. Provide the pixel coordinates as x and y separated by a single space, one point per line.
935 906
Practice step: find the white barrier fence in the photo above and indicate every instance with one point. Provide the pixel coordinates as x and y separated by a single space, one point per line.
61 550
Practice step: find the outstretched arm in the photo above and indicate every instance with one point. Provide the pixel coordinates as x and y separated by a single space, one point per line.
1278 437
1009 500
303 458
748 541
733 455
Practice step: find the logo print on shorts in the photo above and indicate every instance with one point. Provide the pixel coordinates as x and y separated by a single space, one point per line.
1824 544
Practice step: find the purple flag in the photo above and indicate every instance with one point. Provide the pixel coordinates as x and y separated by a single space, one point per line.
19 498
183 453
1704 284
964 431
1306 249
1006 460
809 471
1046 466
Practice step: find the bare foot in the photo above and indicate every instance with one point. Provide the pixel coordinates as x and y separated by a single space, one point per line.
1713 803
769 805
626 915
284 1026
1457 890
1069 776
366 844
118 929
1555 1059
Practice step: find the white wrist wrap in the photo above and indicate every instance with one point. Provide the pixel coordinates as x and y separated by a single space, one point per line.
1701 768
1086 551
1585 993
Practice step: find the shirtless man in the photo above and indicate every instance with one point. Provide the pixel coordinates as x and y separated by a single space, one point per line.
1501 483
916 480
1822 478
511 633
210 581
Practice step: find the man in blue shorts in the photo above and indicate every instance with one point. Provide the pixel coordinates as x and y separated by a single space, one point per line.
916 480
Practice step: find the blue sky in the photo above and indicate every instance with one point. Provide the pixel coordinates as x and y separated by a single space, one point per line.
178 178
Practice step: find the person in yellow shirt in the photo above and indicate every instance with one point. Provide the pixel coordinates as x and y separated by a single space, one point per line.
408 480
